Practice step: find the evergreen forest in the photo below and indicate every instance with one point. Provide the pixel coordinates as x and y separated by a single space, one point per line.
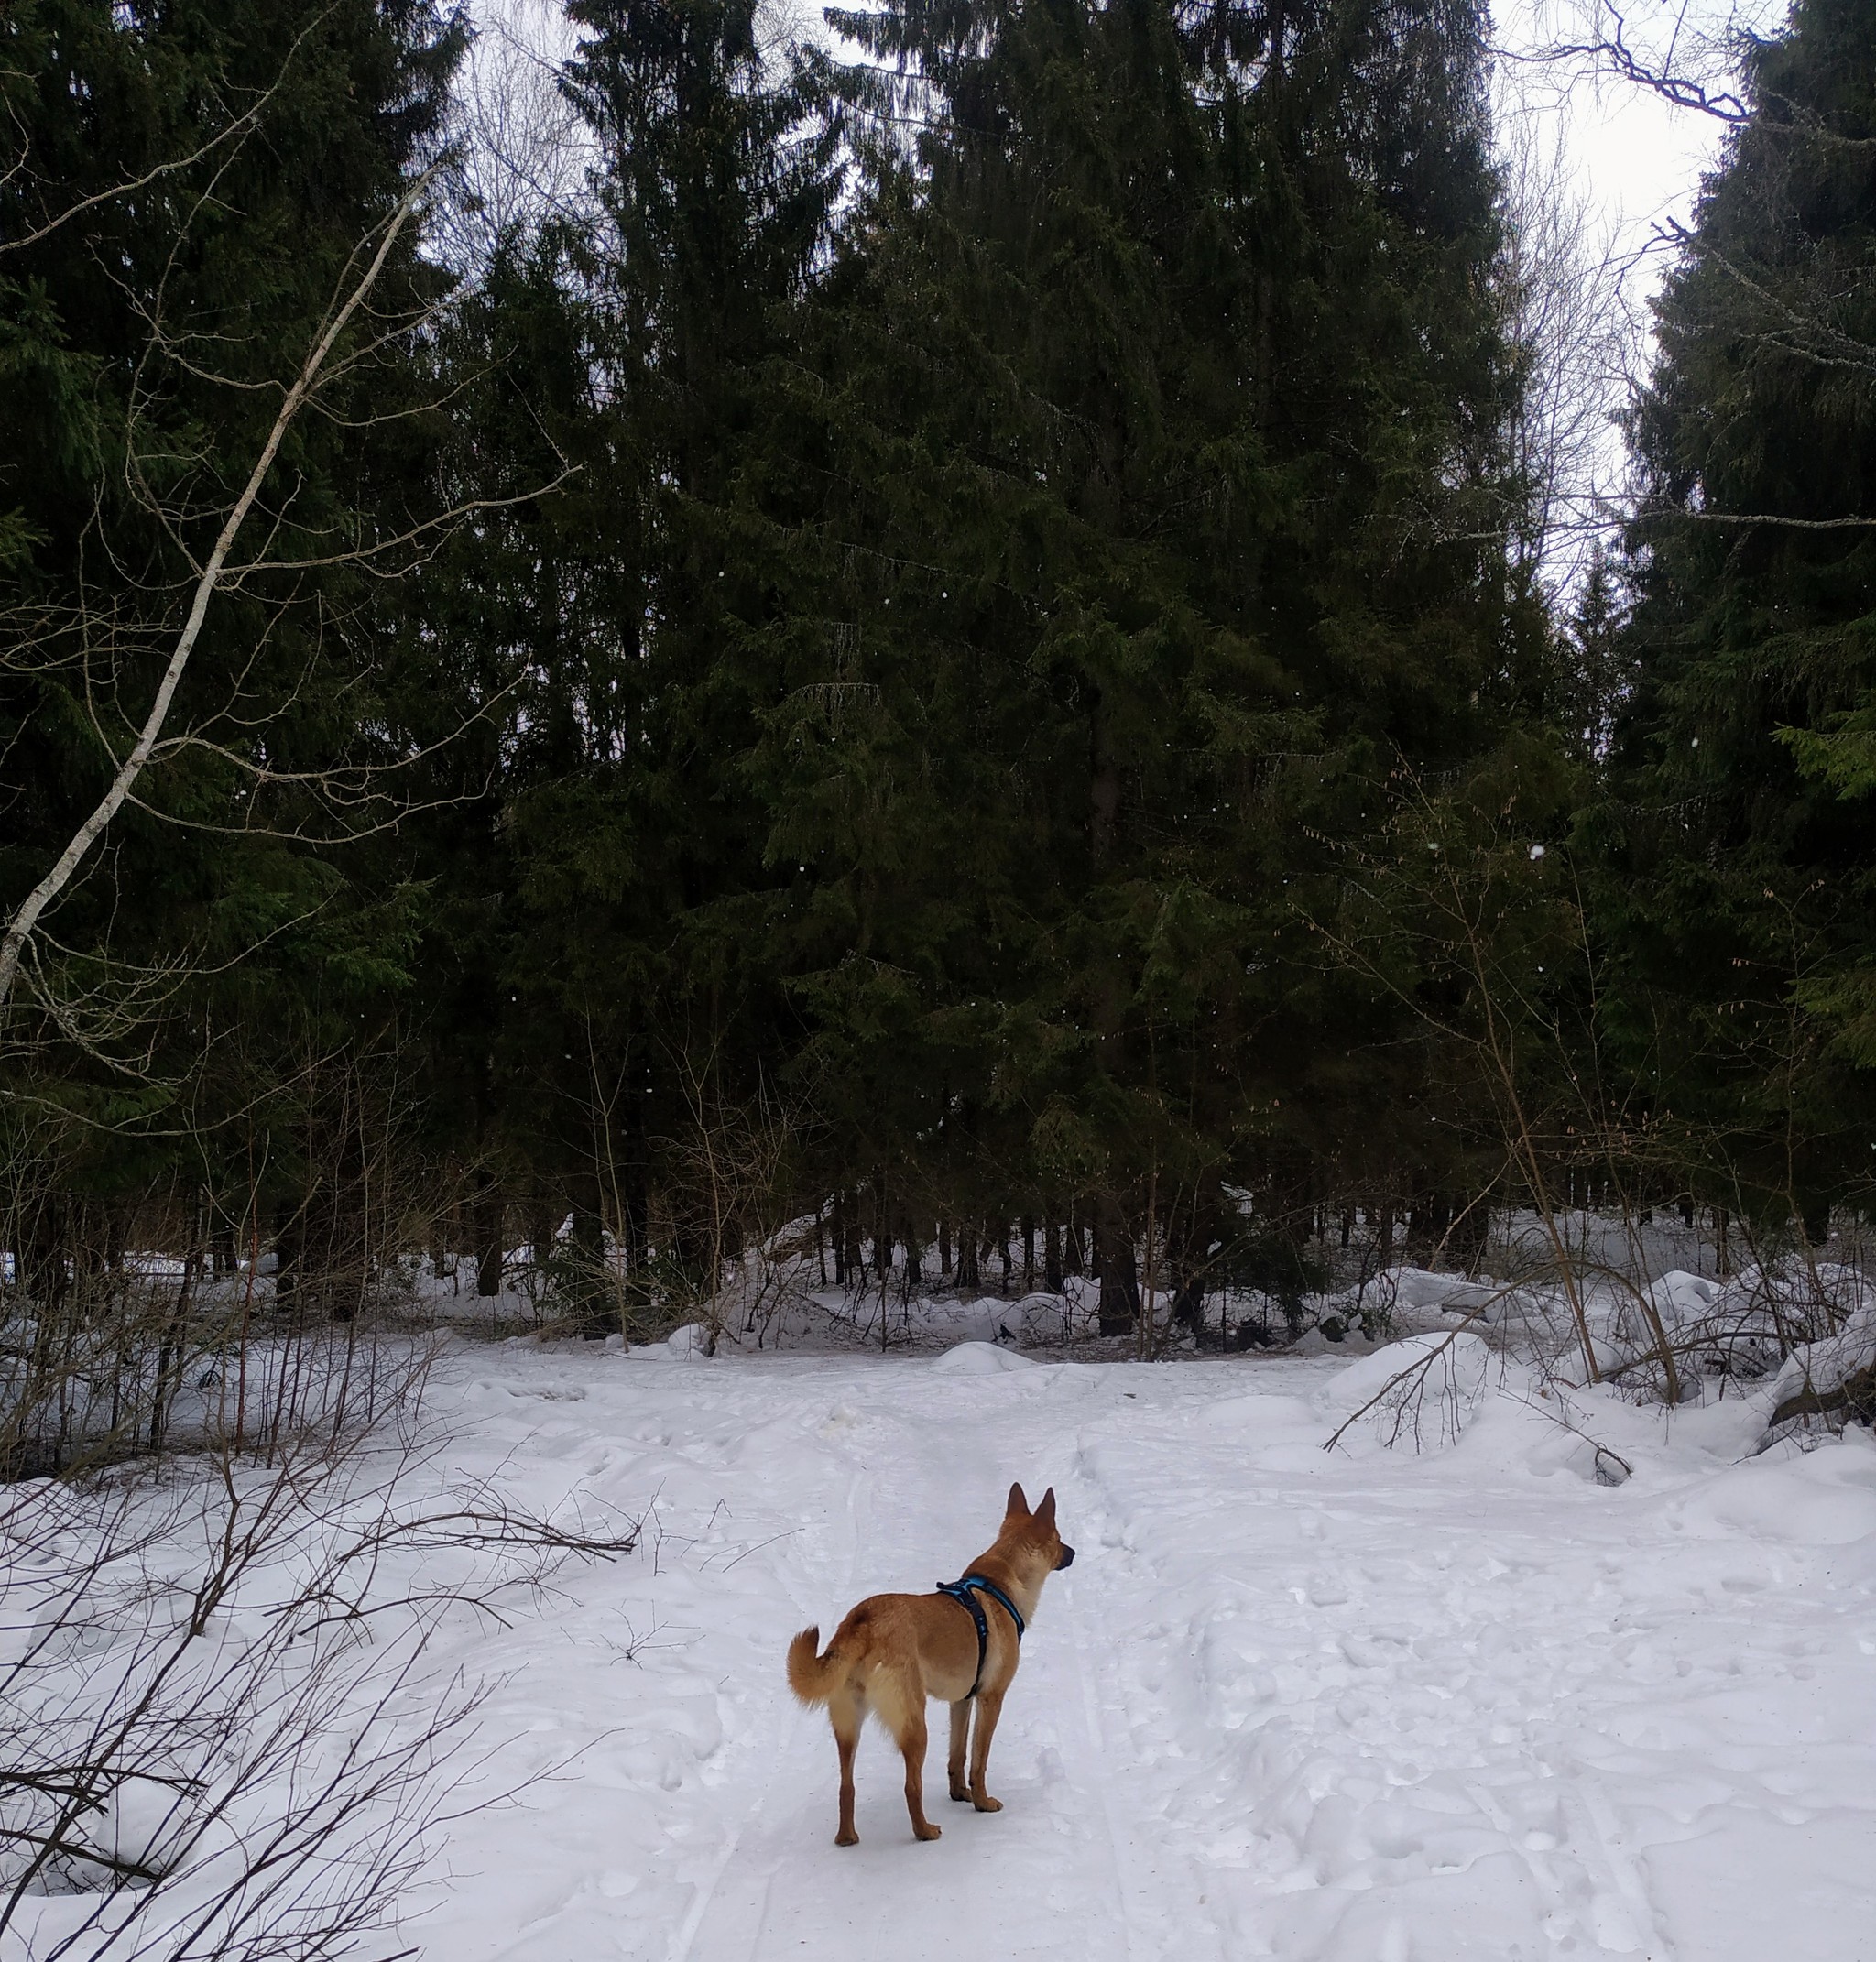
943 637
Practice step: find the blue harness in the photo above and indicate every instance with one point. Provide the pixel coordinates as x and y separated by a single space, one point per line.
964 1592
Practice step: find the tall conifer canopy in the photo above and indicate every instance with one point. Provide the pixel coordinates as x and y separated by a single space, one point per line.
1745 763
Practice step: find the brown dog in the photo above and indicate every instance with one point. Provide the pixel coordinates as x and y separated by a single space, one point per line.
896 1650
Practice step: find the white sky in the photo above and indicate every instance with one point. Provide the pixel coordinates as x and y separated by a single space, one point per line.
1637 159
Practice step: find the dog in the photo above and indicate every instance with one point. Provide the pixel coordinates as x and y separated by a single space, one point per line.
896 1650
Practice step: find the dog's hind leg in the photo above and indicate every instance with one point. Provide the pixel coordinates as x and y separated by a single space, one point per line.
990 1708
911 1729
846 1712
960 1731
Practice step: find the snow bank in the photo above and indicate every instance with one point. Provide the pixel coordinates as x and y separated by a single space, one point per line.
692 1340
1421 1391
1333 1708
1418 1288
1047 1320
1820 1498
1330 1707
1404 1301
981 1358
1823 1367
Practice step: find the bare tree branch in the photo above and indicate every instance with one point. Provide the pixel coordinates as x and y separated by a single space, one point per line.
20 929
239 127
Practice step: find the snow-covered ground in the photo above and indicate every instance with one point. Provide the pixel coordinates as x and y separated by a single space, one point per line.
1362 1706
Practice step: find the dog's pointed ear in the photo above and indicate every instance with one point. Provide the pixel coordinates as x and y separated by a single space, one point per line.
1045 1512
1018 1507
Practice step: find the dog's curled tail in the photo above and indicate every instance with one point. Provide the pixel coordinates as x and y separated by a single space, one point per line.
810 1676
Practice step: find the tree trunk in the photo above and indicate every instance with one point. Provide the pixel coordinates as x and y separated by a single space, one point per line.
170 1355
42 1271
289 1249
1051 1258
544 1220
635 1198
1120 1304
486 1223
1189 1306
595 1312
1428 1218
850 1227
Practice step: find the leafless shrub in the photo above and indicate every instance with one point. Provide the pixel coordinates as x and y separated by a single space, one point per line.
724 1205
1608 1465
1428 1389
262 1280
220 1735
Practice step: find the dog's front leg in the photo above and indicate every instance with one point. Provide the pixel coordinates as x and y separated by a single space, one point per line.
960 1731
989 1708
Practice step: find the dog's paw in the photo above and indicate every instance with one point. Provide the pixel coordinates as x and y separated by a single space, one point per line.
846 1839
986 1803
928 1831
961 1794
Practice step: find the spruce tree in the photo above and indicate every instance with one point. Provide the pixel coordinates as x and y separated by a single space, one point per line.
617 991
1154 400
1743 906
196 182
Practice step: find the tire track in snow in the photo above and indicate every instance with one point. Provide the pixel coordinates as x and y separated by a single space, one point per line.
1148 1920
1012 1882
1250 1716
1589 1799
1139 1920
793 1723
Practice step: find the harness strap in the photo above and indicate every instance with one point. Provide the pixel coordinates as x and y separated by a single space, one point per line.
964 1593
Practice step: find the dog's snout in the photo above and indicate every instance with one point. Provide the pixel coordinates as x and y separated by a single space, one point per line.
1068 1559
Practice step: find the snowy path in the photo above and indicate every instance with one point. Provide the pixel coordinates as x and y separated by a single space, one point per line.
1367 1708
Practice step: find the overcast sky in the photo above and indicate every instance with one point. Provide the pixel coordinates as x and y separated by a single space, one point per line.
1638 159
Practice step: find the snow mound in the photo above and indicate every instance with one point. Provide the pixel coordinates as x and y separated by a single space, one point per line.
1049 1317
1681 1298
1422 1392
1411 1301
1315 1342
1824 1368
981 1358
1826 1497
691 1340
979 1319
1418 1287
